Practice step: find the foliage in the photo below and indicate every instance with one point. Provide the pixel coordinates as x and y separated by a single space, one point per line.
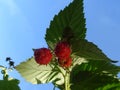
69 23
93 75
8 83
38 74
91 69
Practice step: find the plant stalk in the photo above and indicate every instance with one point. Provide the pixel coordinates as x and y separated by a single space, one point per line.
67 81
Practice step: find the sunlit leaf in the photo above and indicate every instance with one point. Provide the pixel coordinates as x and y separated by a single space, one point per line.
2 67
77 61
38 74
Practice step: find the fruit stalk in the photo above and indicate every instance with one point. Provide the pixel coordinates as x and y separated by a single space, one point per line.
67 81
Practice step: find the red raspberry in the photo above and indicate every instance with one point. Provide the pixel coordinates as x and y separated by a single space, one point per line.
42 56
67 63
62 50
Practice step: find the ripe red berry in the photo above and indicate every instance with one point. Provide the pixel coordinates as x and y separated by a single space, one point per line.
42 56
62 50
67 63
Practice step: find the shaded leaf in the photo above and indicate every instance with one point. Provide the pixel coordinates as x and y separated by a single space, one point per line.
9 84
114 86
69 23
88 50
86 80
99 67
94 74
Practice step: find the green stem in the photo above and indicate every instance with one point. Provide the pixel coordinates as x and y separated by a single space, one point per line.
67 81
5 75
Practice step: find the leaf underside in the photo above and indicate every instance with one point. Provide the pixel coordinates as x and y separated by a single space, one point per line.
38 74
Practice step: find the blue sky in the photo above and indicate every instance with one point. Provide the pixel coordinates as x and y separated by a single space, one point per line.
23 26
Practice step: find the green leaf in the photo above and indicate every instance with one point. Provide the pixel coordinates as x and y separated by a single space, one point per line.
77 61
87 50
94 74
114 86
38 74
9 84
86 80
101 67
69 23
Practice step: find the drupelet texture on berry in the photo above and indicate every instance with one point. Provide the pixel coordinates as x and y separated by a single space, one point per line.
66 63
42 56
62 50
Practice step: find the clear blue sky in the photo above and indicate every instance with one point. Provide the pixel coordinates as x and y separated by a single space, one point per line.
23 26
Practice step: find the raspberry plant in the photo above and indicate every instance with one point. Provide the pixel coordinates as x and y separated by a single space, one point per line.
75 63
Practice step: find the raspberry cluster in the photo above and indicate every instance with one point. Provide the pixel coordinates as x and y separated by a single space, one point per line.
62 51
